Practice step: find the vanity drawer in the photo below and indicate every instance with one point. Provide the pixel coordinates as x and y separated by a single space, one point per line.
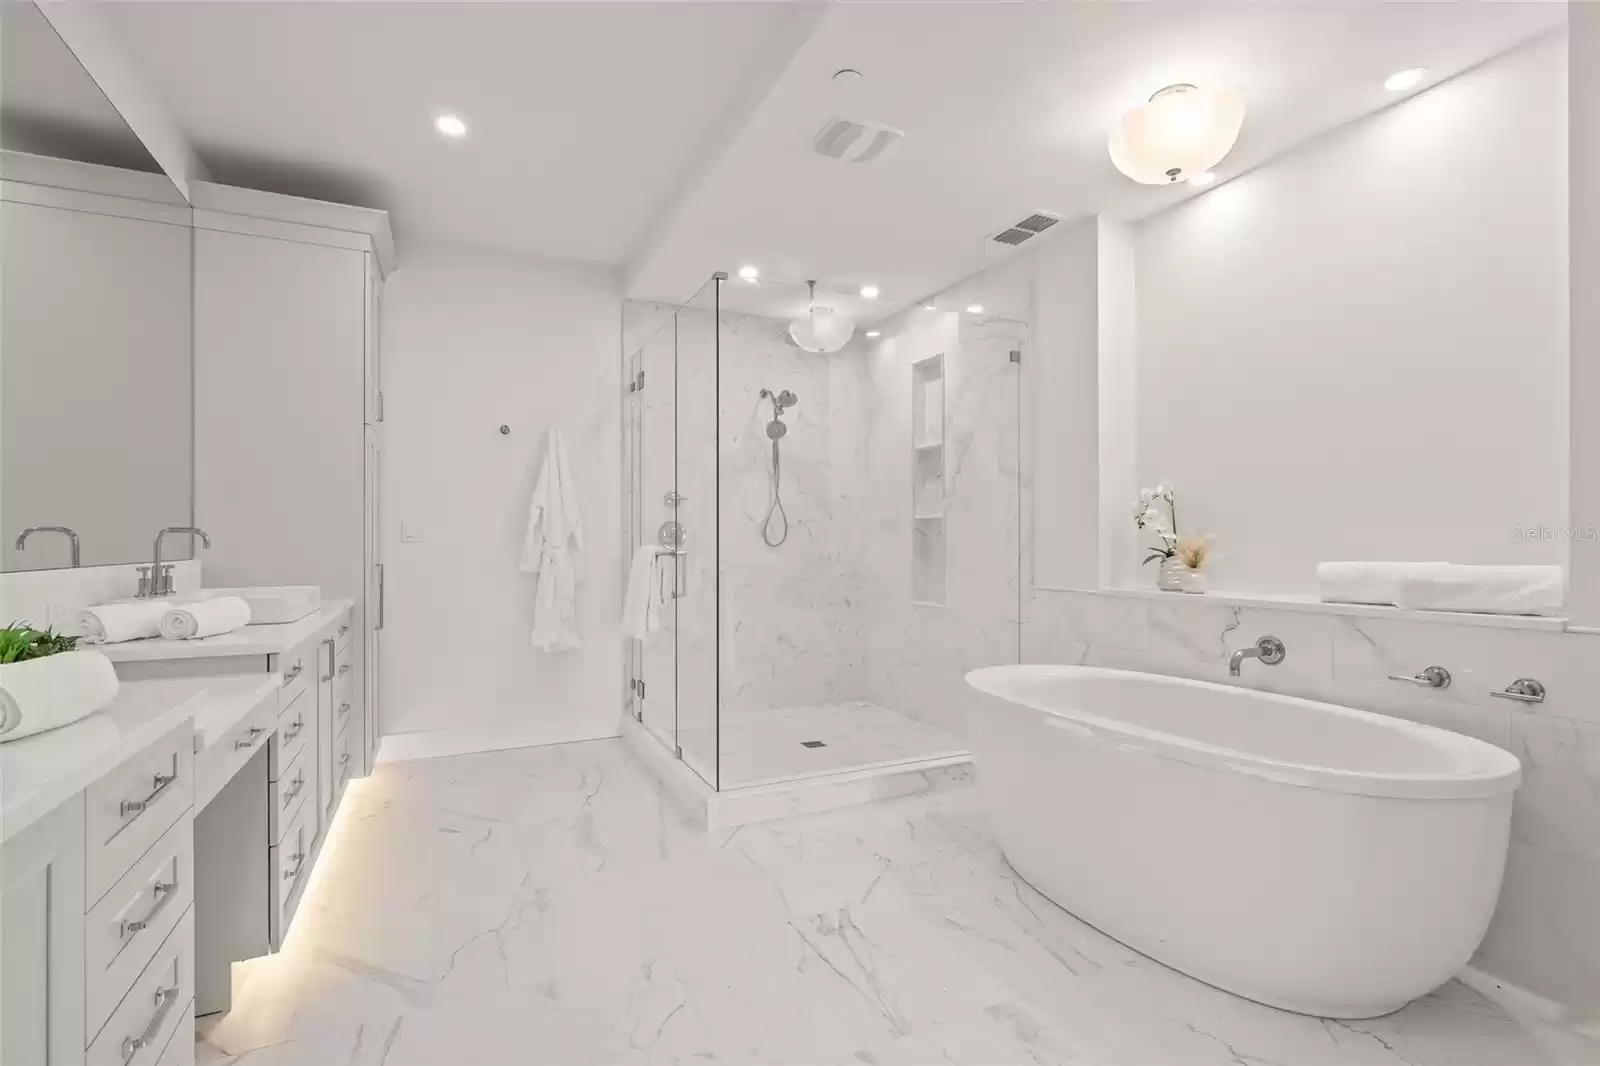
215 766
154 1008
287 795
180 1049
297 667
342 635
132 806
289 865
123 930
344 758
296 726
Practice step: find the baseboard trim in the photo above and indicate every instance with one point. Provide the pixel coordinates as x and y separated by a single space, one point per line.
439 743
1515 999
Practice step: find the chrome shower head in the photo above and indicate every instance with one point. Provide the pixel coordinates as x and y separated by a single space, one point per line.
776 429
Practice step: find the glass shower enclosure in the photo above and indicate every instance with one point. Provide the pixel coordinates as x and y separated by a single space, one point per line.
834 538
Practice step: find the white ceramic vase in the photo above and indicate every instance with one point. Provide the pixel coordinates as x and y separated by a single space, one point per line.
1193 581
1169 578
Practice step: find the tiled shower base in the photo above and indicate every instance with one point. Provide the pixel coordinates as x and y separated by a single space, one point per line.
800 760
796 743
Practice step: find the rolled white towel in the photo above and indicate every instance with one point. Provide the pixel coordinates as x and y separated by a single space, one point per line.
57 690
1368 582
1485 590
113 623
205 618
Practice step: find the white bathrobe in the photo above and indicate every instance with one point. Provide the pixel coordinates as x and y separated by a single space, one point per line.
555 536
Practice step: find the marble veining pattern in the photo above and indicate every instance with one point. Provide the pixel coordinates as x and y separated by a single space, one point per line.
547 906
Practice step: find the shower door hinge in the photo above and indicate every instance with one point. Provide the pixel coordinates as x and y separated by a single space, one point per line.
1016 356
638 687
637 384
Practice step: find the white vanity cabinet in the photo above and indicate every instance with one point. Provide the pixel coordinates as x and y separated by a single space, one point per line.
41 941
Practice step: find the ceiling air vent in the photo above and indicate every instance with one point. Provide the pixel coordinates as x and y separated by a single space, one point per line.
1026 230
855 142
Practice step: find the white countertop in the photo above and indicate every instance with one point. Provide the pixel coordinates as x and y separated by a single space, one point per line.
39 773
250 640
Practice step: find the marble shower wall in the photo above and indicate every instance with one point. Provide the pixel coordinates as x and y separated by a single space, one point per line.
1544 936
918 653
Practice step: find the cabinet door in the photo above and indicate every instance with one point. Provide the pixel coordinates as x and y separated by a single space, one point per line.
41 941
327 711
371 617
374 351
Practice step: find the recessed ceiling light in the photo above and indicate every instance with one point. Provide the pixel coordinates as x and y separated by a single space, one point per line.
450 126
974 309
929 307
1409 78
1205 177
874 332
749 273
869 292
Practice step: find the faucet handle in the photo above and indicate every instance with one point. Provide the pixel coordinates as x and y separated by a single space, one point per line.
144 582
164 585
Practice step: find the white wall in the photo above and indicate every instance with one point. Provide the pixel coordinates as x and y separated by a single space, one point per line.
1359 350
472 342
1584 248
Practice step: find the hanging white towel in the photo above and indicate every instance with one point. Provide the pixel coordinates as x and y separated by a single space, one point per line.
555 536
648 591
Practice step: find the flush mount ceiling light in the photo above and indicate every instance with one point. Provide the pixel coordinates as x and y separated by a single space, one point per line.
929 307
869 292
1183 130
1402 80
450 126
974 309
874 332
821 329
749 273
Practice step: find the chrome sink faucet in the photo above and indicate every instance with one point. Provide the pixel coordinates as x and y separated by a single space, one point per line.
1269 650
66 531
159 581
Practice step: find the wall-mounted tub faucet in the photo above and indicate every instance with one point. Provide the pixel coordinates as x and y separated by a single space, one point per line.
1269 650
161 577
22 540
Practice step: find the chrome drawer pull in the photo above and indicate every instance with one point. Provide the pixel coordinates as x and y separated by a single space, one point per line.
345 669
344 708
162 783
294 730
165 998
343 630
299 783
163 891
249 741
299 861
292 674
1523 690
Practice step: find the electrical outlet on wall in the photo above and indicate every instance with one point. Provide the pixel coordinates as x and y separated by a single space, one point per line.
411 533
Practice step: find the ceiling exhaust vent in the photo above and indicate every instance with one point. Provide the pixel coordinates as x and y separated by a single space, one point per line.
855 142
1025 230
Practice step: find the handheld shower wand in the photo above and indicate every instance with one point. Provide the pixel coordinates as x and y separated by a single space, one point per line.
775 430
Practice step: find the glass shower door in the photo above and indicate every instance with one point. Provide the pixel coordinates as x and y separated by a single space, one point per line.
654 396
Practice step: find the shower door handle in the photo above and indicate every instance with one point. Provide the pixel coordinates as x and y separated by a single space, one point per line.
680 579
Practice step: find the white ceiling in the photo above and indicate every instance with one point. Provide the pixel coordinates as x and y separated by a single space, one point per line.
1006 109
583 117
672 139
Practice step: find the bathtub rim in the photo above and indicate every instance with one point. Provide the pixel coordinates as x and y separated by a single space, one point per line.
1491 771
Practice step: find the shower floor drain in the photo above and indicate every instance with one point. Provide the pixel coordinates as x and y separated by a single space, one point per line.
813 744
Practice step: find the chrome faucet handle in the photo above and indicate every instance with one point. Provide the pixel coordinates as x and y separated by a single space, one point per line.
1432 677
1523 690
164 585
145 589
1271 649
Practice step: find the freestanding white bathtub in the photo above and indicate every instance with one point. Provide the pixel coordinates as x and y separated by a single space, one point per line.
1312 857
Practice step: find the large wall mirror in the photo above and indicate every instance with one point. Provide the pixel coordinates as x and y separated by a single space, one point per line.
96 411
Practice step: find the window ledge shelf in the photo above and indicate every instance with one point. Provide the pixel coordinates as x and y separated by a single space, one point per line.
1308 605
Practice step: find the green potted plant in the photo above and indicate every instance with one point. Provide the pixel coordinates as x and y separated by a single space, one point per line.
46 682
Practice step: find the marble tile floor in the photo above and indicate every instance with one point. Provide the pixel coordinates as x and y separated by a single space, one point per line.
766 747
546 906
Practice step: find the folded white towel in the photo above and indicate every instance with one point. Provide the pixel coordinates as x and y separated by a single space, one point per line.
113 623
54 691
1484 590
648 591
1362 582
205 618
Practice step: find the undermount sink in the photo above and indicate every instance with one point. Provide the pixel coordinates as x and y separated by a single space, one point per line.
272 604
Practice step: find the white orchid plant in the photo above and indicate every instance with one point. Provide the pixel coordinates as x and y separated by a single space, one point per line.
1148 515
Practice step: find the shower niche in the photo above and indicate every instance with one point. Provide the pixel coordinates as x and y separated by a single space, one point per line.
927 481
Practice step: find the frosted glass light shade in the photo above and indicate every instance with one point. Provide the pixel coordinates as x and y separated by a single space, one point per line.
822 329
1182 131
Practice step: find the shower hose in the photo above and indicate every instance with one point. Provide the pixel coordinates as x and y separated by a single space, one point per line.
775 509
